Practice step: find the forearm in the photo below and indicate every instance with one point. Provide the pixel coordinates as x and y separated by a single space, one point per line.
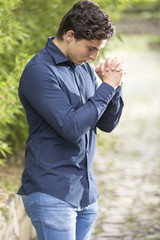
112 114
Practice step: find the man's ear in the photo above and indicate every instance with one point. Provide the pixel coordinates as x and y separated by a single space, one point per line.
69 36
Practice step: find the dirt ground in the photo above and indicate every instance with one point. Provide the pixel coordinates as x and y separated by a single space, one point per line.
128 172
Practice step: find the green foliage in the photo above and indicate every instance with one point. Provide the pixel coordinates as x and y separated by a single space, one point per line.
12 50
24 28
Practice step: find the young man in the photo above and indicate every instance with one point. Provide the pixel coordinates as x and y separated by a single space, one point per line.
64 106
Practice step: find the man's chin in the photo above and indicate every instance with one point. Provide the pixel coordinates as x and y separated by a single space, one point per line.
82 62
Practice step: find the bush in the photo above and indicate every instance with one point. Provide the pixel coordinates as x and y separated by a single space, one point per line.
13 37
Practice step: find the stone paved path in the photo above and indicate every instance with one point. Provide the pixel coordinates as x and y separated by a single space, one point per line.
127 166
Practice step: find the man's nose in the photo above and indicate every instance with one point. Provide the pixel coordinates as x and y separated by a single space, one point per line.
94 55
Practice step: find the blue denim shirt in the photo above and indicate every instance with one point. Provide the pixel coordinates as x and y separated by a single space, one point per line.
64 106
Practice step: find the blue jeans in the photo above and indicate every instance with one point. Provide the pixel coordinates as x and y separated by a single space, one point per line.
55 219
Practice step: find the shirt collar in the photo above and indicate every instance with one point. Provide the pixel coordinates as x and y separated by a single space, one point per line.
56 53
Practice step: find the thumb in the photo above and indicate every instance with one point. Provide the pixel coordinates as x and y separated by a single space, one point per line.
97 69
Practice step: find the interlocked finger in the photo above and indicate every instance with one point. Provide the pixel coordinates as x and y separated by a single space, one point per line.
121 67
107 64
101 68
115 63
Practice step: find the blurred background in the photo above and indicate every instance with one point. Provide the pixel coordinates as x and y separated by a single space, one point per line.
127 164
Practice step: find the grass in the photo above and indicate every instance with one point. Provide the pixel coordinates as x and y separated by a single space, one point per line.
106 142
10 178
9 184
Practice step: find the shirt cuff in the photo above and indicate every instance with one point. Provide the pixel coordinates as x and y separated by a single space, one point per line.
102 97
117 95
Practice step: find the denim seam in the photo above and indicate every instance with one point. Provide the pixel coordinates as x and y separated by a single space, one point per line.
29 204
40 215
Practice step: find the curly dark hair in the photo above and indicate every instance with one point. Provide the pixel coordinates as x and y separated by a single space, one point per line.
88 21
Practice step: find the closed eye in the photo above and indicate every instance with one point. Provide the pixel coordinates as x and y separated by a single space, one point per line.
91 49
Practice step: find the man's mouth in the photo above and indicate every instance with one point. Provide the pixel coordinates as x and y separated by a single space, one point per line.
86 61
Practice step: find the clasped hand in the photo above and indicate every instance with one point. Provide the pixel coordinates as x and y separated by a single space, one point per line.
111 71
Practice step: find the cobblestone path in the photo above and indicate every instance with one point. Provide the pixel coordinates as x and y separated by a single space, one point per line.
127 166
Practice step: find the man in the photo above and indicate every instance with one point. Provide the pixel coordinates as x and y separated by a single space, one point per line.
64 106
